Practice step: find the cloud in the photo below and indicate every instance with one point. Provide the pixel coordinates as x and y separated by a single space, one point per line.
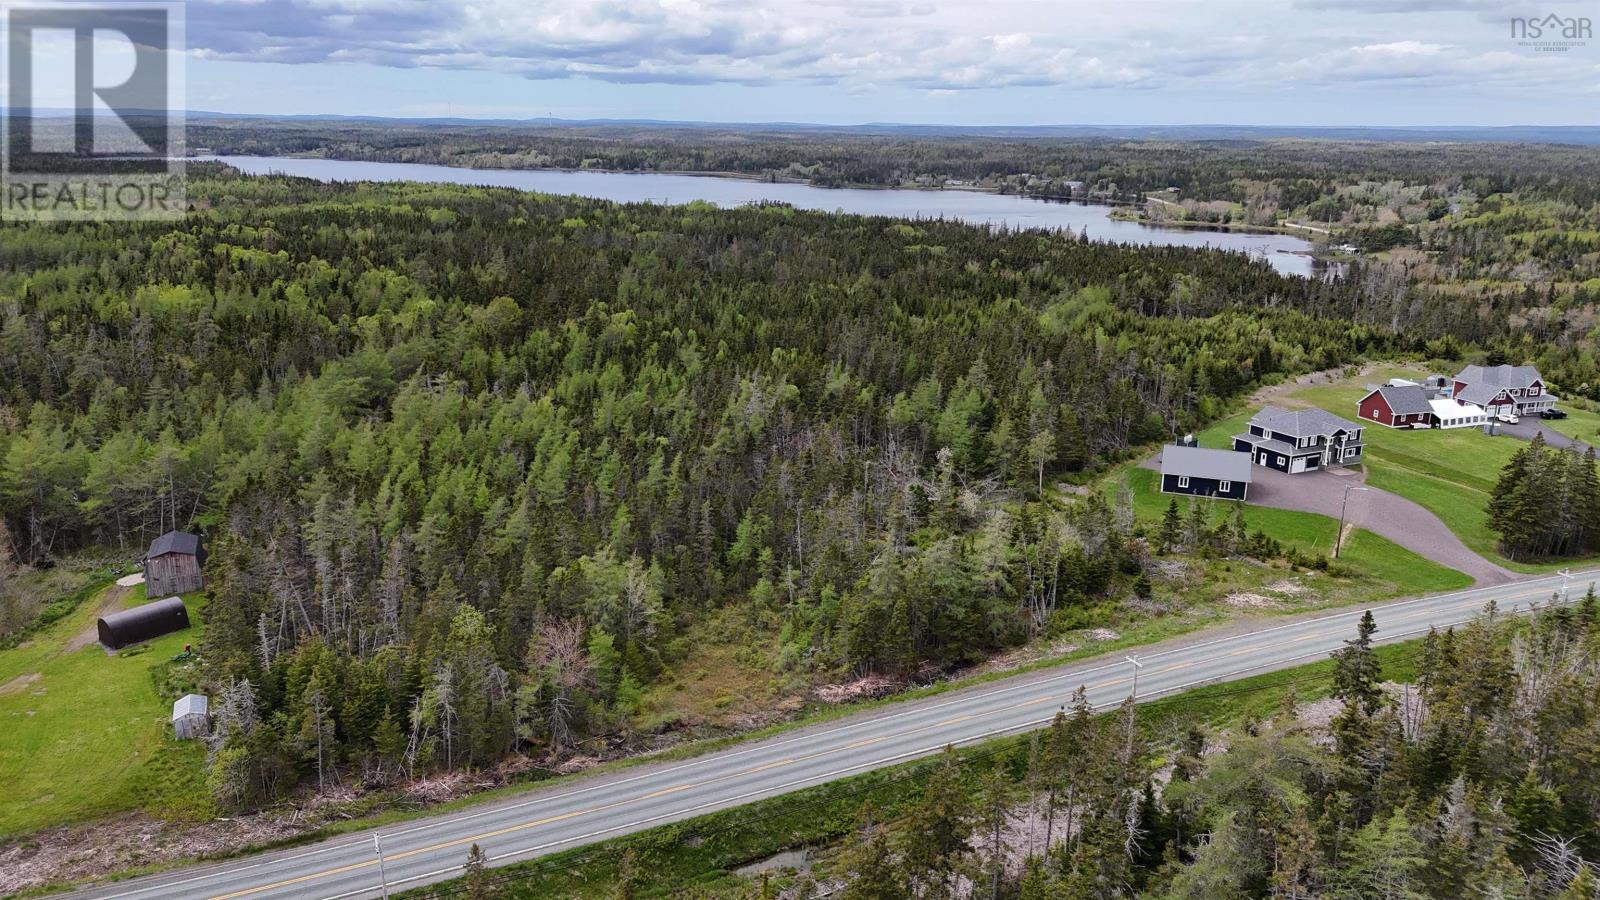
666 41
1405 6
872 44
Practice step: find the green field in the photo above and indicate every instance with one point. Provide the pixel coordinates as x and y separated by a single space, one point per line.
87 732
1582 424
1387 568
1449 472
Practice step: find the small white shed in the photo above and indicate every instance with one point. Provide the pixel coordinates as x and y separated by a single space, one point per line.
191 716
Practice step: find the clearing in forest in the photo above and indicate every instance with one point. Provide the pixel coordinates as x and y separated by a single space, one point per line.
86 731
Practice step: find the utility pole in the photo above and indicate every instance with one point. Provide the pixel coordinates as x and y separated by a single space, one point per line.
1338 539
383 877
1133 694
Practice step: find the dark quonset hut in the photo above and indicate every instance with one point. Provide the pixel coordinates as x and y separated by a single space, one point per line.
173 565
142 623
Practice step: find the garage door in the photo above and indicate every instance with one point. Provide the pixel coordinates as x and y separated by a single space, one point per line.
1298 464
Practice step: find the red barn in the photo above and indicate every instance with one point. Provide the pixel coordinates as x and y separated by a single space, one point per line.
1404 406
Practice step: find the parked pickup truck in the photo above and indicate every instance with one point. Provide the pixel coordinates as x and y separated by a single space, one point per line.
1552 414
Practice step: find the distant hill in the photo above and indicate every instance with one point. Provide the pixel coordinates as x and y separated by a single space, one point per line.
1543 134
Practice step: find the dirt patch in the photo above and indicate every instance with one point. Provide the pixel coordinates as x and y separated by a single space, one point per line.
110 603
1249 600
1170 569
1318 715
867 688
1022 656
1288 587
136 840
19 684
129 581
1279 394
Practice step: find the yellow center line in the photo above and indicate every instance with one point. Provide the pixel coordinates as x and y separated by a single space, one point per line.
772 765
690 785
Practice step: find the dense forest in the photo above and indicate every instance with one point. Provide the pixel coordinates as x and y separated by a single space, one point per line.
1463 242
1473 780
473 464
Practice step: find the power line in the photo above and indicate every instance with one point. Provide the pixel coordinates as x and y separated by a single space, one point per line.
561 863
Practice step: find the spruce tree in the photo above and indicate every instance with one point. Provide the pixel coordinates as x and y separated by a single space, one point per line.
1171 527
1356 670
933 846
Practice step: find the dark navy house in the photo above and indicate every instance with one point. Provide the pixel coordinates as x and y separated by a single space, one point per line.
1204 473
1301 440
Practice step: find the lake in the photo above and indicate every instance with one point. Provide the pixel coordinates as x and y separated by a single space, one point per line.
1284 253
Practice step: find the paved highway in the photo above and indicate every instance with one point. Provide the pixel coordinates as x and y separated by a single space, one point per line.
592 809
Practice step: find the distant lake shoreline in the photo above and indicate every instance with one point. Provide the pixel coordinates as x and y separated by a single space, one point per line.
1287 254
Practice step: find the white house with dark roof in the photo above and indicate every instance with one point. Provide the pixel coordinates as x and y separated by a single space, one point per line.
1300 440
1499 390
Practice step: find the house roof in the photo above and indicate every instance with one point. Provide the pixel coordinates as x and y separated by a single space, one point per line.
1199 462
190 704
1405 400
1311 422
1479 392
1450 409
1263 443
1501 376
174 542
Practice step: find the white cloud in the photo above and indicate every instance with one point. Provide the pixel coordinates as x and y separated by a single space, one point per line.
854 44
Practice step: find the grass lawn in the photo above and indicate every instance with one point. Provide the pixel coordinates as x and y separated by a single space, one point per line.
1583 424
87 733
1450 473
1384 568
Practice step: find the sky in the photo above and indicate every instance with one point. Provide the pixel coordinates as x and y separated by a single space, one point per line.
965 62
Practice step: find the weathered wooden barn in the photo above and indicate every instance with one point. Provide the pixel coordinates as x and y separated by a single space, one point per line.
142 623
173 564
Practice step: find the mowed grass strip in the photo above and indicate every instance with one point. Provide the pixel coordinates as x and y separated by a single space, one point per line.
1393 569
86 732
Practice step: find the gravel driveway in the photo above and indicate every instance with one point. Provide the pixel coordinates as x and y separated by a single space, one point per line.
1380 512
